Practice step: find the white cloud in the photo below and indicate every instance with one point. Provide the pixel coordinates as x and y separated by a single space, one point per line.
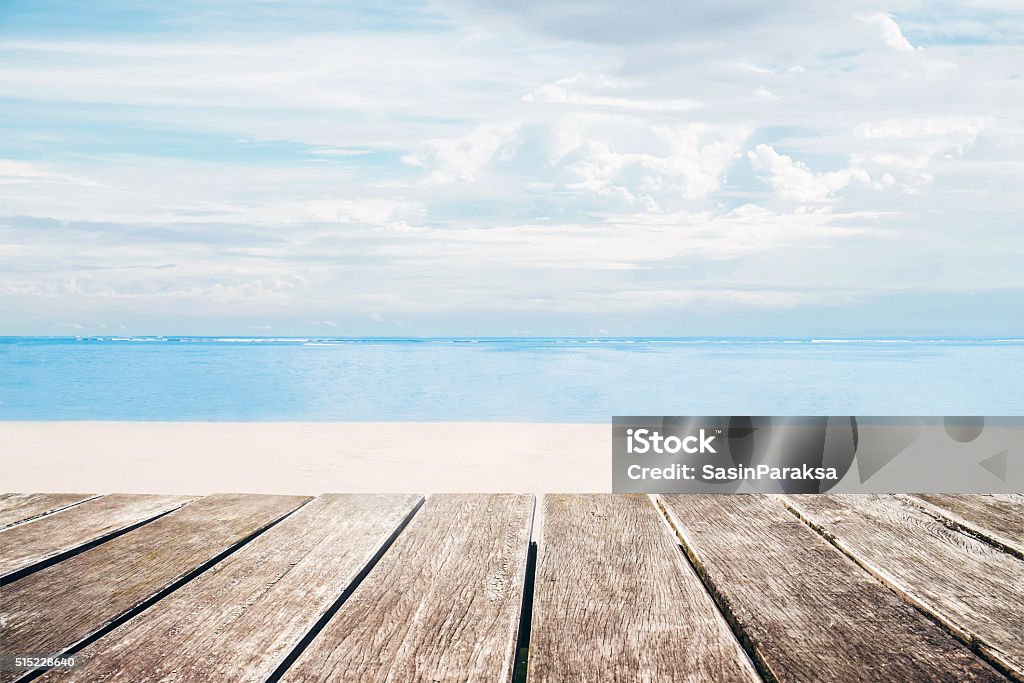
626 162
958 129
453 268
712 296
20 172
910 146
154 192
274 289
366 211
463 159
889 31
794 180
595 90
685 162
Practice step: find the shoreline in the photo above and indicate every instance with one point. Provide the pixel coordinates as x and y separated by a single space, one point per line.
306 458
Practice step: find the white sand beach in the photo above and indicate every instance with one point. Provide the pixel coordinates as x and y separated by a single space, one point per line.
303 458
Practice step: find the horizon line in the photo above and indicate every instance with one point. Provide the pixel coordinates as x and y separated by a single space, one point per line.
498 338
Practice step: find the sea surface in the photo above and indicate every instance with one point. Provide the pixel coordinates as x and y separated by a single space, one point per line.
514 379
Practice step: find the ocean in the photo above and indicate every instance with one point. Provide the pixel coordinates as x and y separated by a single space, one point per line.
509 379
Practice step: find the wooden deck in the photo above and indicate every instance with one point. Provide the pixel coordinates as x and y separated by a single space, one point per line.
507 587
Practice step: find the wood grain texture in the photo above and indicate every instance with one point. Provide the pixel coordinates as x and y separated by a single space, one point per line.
20 507
616 600
241 618
805 611
998 518
47 537
967 585
55 608
442 604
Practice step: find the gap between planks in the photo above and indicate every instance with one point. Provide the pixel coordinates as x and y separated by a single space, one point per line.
956 625
955 519
34 506
230 521
307 639
250 615
53 538
721 603
879 634
419 614
615 598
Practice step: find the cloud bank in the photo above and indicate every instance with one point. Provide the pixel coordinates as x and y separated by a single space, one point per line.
465 168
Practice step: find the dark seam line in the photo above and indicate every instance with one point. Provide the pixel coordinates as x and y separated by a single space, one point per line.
739 632
521 660
153 599
78 550
972 643
47 513
321 623
945 517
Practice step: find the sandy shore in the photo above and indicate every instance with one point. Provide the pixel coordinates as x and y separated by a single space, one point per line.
303 458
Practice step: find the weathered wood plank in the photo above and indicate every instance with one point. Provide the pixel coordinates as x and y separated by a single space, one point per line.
970 587
804 610
29 544
20 507
58 607
240 619
616 600
442 604
998 518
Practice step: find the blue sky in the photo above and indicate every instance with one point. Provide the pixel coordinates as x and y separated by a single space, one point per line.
455 167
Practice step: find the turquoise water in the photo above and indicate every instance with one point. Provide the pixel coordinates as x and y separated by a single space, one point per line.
543 380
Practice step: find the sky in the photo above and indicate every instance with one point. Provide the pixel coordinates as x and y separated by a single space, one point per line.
474 167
